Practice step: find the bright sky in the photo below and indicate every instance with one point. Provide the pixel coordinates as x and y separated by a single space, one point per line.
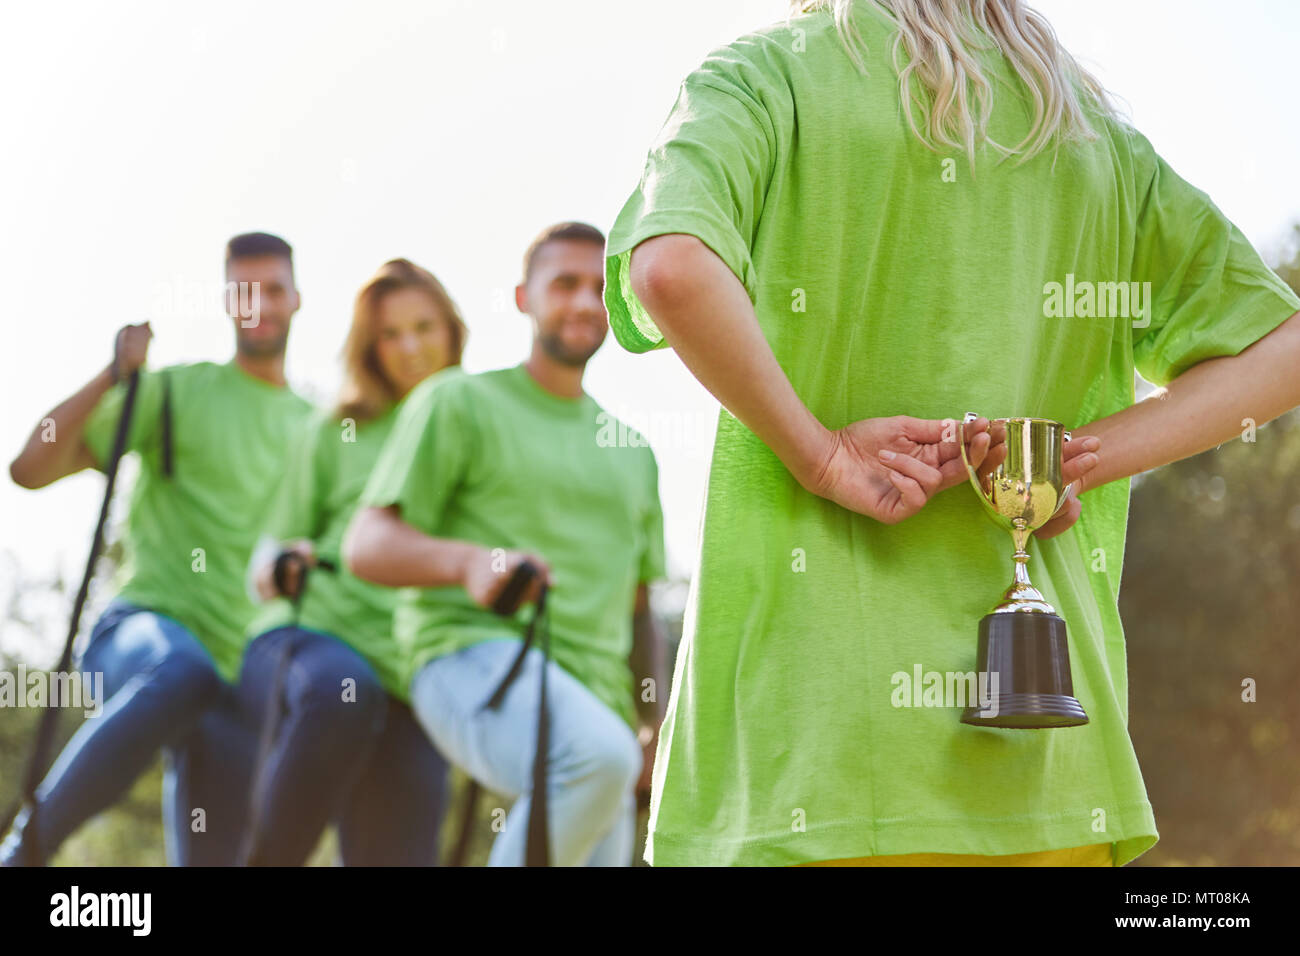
140 136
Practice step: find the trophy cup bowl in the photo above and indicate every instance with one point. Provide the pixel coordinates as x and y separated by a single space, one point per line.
1023 640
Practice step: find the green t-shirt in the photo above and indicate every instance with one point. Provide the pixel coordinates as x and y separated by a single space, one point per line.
188 538
885 289
317 501
495 459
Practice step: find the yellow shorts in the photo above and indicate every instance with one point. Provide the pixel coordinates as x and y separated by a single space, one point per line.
1095 854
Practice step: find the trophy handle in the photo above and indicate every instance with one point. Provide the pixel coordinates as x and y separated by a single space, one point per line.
961 446
970 469
1065 489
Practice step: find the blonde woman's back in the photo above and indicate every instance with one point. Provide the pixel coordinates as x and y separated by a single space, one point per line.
891 280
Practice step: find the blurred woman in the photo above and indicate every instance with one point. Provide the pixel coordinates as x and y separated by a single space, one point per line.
856 226
324 678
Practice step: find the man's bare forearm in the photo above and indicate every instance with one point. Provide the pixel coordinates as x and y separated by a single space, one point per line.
42 462
382 548
1202 408
705 314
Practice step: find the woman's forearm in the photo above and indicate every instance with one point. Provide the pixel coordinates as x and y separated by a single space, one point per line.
1202 408
705 314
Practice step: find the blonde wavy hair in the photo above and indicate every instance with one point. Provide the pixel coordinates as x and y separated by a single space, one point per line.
366 392
946 95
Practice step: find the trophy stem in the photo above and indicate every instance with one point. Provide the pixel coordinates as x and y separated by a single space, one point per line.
1022 568
1022 596
1020 534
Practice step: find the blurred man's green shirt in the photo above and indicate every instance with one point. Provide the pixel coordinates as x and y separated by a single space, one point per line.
497 460
189 537
890 281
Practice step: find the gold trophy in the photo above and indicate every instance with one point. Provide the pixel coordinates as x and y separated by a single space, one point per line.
1023 639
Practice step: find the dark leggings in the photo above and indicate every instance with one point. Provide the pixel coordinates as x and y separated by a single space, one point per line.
344 751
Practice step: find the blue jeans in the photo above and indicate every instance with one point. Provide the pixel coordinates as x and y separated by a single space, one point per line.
592 767
161 691
344 750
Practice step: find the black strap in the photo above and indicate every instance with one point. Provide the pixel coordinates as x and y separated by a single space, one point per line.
36 765
251 853
168 461
468 811
538 852
539 843
507 603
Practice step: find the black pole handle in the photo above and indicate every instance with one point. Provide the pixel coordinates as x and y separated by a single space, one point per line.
280 572
512 595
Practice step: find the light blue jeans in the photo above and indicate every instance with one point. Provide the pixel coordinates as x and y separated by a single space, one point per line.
592 767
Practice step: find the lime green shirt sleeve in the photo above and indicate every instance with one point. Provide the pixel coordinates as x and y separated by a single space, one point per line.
425 457
653 564
101 425
1211 293
707 176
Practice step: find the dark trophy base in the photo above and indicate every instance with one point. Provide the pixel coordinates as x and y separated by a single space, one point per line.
1028 652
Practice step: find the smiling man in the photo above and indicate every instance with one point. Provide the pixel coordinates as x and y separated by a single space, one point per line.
481 472
210 438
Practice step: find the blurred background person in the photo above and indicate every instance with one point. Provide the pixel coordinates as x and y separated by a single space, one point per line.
481 473
345 745
211 441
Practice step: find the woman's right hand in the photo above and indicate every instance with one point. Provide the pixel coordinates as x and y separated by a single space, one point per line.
888 468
